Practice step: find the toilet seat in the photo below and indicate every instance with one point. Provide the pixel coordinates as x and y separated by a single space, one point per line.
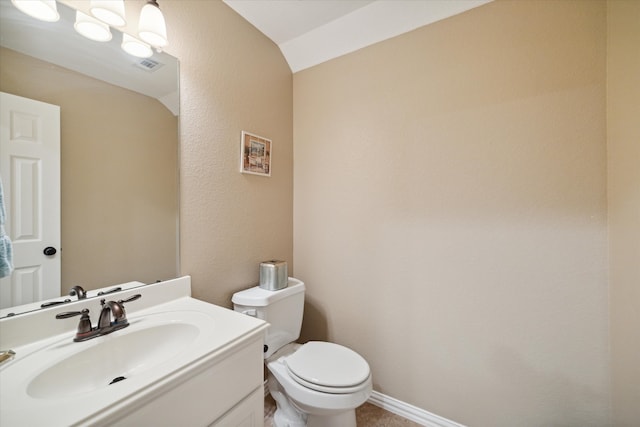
327 367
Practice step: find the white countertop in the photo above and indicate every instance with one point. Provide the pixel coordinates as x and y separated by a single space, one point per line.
219 330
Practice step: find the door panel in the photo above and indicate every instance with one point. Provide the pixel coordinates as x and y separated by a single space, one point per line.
30 169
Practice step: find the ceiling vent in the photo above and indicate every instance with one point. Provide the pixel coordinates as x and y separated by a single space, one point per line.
149 65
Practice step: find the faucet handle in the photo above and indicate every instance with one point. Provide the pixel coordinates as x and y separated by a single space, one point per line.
110 291
85 330
123 314
68 314
132 298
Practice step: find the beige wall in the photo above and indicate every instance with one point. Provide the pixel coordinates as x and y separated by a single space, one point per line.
450 213
119 179
232 79
450 201
623 138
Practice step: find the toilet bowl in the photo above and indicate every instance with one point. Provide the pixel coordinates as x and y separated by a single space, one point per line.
317 384
313 394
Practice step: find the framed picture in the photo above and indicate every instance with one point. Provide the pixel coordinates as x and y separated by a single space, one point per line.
255 154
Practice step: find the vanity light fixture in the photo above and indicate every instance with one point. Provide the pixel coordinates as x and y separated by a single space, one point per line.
151 27
109 11
44 10
91 28
135 47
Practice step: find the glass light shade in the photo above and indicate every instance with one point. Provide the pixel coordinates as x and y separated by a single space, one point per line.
151 27
44 10
109 11
135 47
91 28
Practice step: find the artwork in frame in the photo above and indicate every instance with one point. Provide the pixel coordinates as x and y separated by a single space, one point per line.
256 153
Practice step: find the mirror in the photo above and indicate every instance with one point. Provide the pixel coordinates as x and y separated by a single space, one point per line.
119 147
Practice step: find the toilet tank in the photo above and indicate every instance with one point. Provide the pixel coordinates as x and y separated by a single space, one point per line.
282 309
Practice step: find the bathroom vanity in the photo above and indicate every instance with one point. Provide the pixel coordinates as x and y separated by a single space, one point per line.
180 361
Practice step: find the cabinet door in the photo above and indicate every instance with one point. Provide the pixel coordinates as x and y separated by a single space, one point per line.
210 395
247 413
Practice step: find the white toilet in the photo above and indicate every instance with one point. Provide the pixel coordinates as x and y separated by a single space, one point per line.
317 384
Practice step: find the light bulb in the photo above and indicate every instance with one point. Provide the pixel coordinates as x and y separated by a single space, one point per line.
109 11
91 28
44 10
151 27
135 47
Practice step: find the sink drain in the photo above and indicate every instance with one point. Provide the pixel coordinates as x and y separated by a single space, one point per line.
117 379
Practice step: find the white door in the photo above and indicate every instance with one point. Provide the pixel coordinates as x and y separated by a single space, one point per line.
30 169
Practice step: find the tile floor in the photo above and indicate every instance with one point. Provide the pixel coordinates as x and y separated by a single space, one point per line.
367 415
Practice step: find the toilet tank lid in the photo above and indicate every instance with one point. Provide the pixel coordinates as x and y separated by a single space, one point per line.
259 297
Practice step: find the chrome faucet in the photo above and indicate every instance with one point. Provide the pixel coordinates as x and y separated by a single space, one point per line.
77 290
112 317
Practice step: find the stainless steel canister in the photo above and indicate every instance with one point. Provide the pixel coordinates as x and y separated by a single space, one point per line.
273 275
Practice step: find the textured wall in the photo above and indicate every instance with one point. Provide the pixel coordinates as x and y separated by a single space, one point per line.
623 139
450 213
450 200
232 78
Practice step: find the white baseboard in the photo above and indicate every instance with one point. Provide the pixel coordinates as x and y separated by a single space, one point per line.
410 412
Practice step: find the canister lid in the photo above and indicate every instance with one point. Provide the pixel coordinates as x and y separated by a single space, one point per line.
259 297
273 263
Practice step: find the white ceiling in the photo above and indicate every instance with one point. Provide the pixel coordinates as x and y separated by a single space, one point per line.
309 32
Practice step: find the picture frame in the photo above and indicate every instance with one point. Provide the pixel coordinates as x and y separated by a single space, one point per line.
256 153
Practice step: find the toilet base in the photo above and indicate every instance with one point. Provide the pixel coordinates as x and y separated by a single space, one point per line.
286 414
344 419
284 418
289 415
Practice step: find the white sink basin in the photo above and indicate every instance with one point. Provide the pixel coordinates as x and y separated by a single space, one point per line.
116 358
171 355
58 382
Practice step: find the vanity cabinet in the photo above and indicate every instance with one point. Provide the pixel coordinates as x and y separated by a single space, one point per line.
227 391
248 413
180 362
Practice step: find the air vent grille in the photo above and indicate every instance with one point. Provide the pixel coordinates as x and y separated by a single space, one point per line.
149 65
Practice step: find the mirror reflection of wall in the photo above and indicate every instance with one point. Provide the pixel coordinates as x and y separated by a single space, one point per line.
118 173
